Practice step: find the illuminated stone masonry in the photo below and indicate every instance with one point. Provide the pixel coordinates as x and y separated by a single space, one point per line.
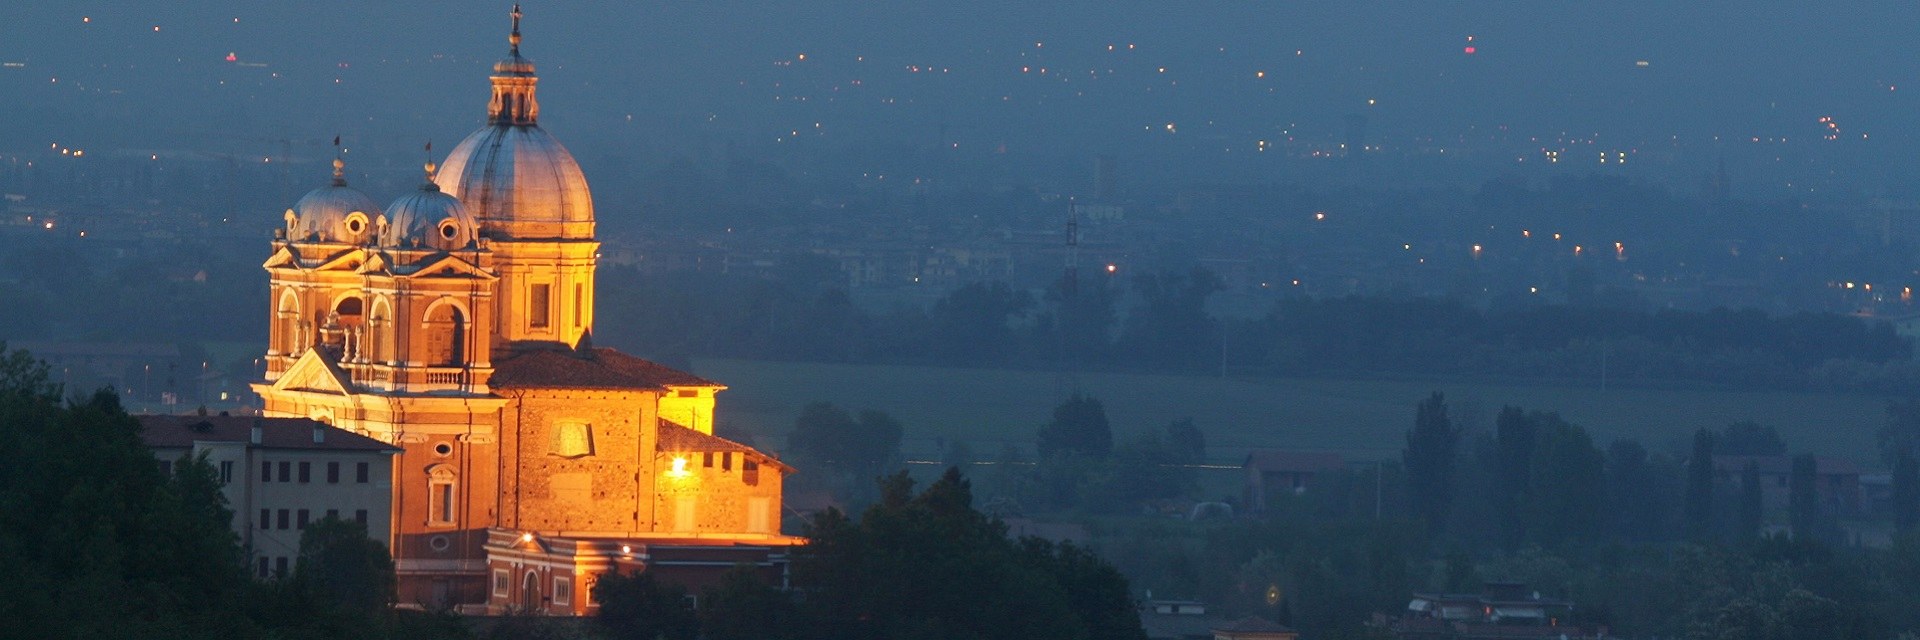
456 325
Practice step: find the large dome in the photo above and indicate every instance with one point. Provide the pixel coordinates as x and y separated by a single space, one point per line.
519 183
428 218
333 213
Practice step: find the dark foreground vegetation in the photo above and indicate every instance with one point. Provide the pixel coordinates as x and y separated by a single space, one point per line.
100 543
1645 543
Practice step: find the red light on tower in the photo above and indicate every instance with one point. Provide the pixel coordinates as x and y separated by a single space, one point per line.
1469 49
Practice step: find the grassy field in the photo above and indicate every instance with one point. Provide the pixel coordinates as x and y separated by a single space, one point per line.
1364 419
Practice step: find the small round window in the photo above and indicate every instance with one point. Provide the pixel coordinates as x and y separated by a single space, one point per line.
439 543
449 230
443 449
357 223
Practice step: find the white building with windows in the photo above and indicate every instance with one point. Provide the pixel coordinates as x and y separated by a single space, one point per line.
281 474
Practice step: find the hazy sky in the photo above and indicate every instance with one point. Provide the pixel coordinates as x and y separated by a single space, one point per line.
616 75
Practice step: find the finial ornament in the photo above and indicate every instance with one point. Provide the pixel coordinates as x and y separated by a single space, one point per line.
430 166
514 38
340 166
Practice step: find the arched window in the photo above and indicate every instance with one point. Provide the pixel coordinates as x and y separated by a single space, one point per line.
379 345
351 310
443 494
446 329
286 322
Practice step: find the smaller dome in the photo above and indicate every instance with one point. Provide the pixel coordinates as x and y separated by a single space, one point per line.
333 213
428 218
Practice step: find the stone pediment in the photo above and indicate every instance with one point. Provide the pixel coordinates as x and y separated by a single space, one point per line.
283 258
377 263
446 265
350 260
316 372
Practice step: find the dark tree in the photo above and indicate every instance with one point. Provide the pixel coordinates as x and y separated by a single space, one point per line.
1567 497
1641 494
929 565
1699 506
1079 427
341 567
97 543
1078 325
971 325
745 607
1906 492
1432 445
1512 473
1170 328
1803 498
1901 433
1752 506
638 607
847 453
1144 468
1186 442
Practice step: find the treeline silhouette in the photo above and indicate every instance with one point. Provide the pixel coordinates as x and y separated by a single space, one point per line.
1160 323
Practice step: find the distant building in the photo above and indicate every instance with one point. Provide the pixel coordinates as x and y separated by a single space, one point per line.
281 474
1177 620
1836 480
1505 610
1273 472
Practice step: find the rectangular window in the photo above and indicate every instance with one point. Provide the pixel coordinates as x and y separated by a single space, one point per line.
706 460
579 292
360 472
280 567
263 566
442 507
306 472
333 473
266 471
501 582
333 514
360 516
300 519
166 468
286 471
283 517
750 472
726 461
226 471
266 519
562 591
759 514
539 306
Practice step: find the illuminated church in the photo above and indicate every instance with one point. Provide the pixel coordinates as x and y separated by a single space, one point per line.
456 323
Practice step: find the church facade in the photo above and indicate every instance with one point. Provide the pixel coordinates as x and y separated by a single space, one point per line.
456 323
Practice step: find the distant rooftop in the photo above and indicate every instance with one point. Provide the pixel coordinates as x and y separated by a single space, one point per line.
180 432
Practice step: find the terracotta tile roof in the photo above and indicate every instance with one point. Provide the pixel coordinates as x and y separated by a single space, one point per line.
677 438
593 368
180 432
